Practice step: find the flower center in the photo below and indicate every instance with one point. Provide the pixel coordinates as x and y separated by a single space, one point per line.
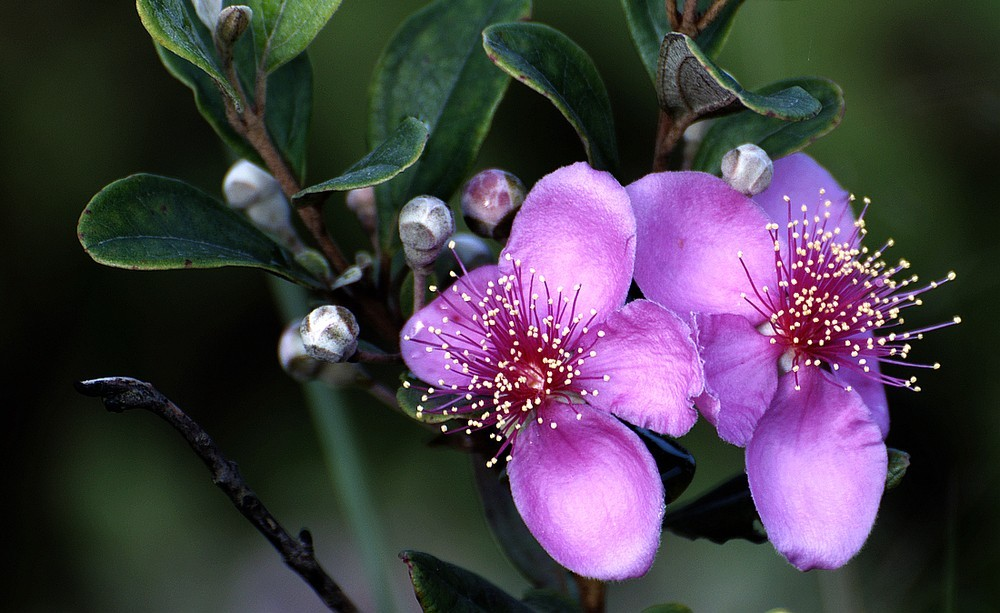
831 295
509 348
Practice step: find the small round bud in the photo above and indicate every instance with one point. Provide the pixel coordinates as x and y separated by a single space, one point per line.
249 188
233 22
489 201
330 333
747 169
425 224
293 356
361 202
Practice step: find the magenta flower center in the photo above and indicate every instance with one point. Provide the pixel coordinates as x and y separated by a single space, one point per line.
835 304
523 346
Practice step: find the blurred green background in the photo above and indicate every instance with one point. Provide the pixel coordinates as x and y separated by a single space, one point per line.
107 512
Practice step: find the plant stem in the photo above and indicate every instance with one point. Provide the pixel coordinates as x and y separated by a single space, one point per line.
592 594
669 133
123 393
710 15
672 14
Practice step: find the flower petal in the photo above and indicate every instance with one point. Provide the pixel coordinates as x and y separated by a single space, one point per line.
800 178
425 332
741 373
576 227
652 368
589 492
691 228
817 466
872 392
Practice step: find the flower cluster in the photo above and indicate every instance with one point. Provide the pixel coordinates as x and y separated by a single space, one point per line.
785 319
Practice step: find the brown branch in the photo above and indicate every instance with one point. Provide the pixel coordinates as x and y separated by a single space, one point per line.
592 594
689 18
710 15
672 14
669 134
123 393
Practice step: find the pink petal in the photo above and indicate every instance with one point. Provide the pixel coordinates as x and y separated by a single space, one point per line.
799 177
652 367
741 373
576 228
872 392
448 313
817 467
691 227
589 492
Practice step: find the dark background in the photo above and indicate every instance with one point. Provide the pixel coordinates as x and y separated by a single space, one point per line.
107 512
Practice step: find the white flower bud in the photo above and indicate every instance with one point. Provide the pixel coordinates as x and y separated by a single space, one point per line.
232 23
361 202
208 12
747 169
489 201
293 356
330 333
425 224
249 188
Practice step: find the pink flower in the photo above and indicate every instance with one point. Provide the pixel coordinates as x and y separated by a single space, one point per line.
793 318
543 350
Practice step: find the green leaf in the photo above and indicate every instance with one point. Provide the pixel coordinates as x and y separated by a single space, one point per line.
724 513
689 84
391 157
412 398
282 29
289 105
146 222
446 588
778 138
899 461
547 61
648 24
434 69
174 24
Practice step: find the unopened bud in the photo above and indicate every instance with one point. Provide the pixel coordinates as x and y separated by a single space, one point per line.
233 22
330 333
489 201
361 202
294 358
208 12
249 188
425 224
747 169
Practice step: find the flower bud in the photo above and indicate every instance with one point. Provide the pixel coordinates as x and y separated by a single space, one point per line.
330 333
293 356
489 201
232 23
747 169
249 188
361 202
425 224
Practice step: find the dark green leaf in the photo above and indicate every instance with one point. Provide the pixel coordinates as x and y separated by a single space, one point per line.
778 138
434 69
510 532
393 156
675 465
671 607
724 513
690 84
446 588
547 61
145 222
648 24
899 461
289 105
282 29
174 24
412 398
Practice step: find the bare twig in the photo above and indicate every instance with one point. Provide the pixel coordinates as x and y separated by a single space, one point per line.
669 134
124 393
710 15
672 14
689 18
